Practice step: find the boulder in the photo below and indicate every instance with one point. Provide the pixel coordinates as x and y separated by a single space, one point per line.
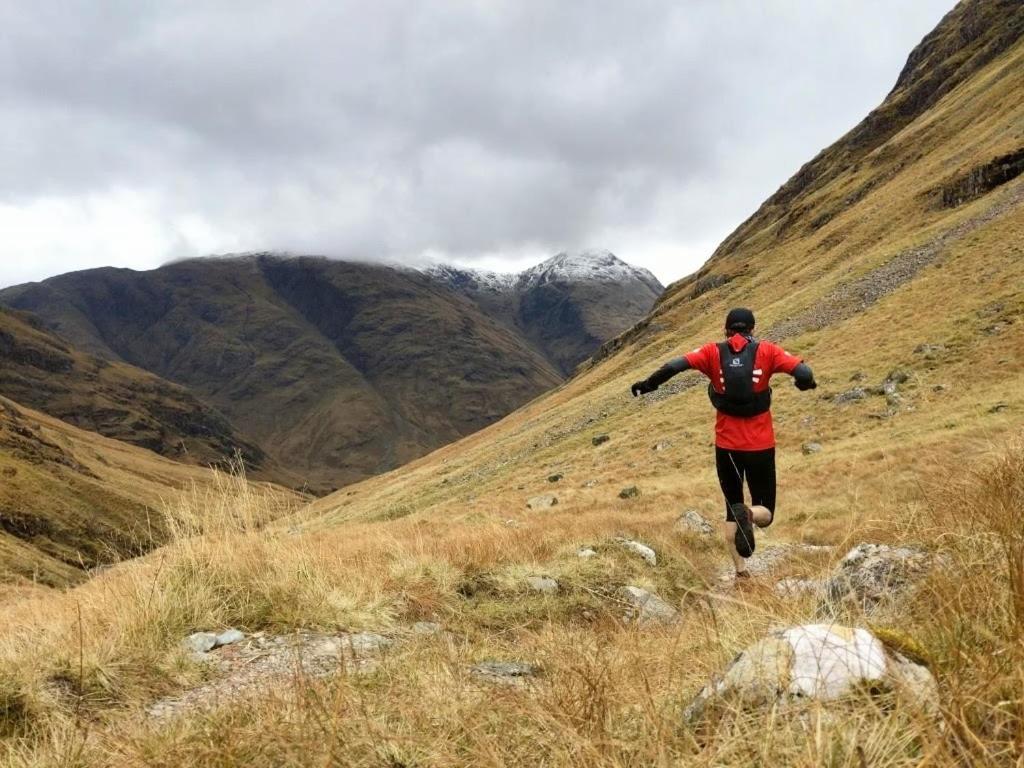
542 502
822 662
870 575
630 492
646 607
542 584
642 550
555 477
809 448
599 439
586 553
694 522
662 445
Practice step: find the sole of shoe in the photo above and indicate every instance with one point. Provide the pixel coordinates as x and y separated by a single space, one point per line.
744 538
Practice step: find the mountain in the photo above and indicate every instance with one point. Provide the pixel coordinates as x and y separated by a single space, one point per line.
41 371
333 368
566 306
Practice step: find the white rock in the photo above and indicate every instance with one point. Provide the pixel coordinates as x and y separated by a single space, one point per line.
542 502
824 662
809 448
647 607
200 642
693 521
586 553
642 550
543 584
229 637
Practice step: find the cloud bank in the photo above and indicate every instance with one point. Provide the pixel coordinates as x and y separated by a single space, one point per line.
486 132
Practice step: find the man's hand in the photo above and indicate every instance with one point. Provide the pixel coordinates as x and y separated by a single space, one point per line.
641 388
804 384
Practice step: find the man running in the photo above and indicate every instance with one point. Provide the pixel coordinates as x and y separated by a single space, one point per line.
740 369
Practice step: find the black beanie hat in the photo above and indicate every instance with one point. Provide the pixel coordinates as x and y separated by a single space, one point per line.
739 319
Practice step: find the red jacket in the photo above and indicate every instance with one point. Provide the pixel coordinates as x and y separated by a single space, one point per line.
754 433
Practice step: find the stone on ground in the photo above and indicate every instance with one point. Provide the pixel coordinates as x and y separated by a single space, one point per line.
542 584
229 637
809 448
872 575
693 521
586 553
647 607
663 445
599 439
425 628
630 492
555 477
642 550
818 661
542 502
200 642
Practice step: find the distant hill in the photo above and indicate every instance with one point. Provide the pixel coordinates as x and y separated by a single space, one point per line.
42 371
340 370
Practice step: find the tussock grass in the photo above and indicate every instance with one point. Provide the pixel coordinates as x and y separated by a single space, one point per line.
76 668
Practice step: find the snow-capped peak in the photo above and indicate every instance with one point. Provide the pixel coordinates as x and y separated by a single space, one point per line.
583 266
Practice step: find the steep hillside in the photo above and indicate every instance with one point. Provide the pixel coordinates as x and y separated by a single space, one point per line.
41 371
566 306
71 501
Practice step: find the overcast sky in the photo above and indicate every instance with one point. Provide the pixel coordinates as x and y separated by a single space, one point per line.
487 132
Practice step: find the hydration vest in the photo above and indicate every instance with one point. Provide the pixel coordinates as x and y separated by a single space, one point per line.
739 397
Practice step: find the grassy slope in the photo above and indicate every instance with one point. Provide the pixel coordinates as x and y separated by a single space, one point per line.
71 500
433 539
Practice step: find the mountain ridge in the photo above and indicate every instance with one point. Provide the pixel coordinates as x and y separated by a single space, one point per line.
330 367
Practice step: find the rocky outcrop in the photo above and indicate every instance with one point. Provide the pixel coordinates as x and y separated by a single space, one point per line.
874 575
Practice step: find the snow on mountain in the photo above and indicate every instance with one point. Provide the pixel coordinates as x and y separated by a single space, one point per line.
584 266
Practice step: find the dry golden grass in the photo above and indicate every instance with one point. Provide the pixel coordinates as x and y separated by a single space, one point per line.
76 671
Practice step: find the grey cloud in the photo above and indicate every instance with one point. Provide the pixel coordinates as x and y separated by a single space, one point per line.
391 128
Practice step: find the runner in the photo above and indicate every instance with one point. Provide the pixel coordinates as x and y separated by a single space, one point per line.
740 369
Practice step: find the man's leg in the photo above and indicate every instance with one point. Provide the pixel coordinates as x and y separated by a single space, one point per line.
730 478
760 473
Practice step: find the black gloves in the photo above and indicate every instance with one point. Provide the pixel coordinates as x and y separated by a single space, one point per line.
642 388
805 384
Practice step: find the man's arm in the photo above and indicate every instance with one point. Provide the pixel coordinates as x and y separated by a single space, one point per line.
660 376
